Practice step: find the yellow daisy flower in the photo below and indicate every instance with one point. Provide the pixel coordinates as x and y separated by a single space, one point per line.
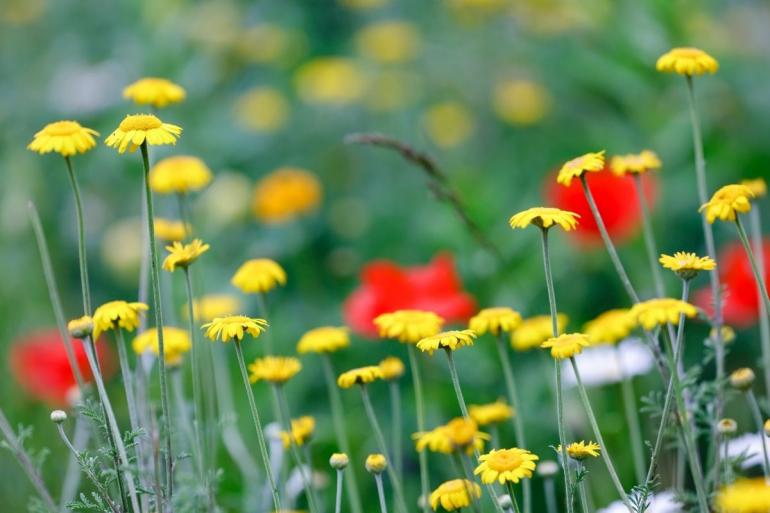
687 265
274 369
171 231
376 463
259 275
435 440
117 314
449 340
326 339
506 466
183 255
359 376
302 430
757 186
157 92
590 162
176 342
392 368
209 307
635 163
610 327
491 413
687 61
67 138
448 124
533 331
333 81
727 202
388 42
655 312
234 327
544 218
744 496
464 434
138 129
285 194
582 450
81 327
567 345
520 102
495 320
454 494
408 326
179 175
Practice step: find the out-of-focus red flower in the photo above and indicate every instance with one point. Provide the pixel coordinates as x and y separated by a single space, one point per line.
615 197
386 287
39 364
740 299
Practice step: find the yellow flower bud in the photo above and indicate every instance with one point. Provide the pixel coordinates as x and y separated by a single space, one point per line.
742 379
376 463
339 460
81 327
727 427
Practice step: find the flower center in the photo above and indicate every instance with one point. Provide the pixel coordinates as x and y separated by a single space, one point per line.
62 128
140 122
688 53
504 460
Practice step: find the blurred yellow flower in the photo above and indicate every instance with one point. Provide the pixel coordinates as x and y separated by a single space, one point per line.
742 379
171 231
520 102
590 162
22 12
209 307
454 495
258 276
745 495
285 194
179 175
448 124
478 8
727 202
267 43
262 109
687 61
757 186
388 41
330 81
655 312
582 450
176 342
545 217
567 345
234 327
376 463
362 4
449 340
635 163
67 138
126 234
687 265
610 327
408 326
392 368
117 314
274 369
495 320
459 434
392 89
533 331
491 413
359 376
138 129
302 430
326 339
157 92
183 255
506 465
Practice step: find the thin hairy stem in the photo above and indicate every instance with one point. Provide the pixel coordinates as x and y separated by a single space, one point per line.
71 484
381 493
512 495
420 405
649 237
632 418
754 266
395 426
757 414
755 220
201 450
85 289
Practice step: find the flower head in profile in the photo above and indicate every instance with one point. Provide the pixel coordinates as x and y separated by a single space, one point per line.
588 163
454 495
491 413
259 276
138 129
209 307
610 327
408 326
687 61
183 255
635 163
359 376
274 369
449 340
567 345
727 202
302 430
171 231
81 327
285 194
459 434
376 463
656 312
742 379
179 174
234 327
117 314
326 339
392 368
544 218
582 450
157 92
687 265
533 331
495 320
757 186
746 495
506 465
176 342
67 138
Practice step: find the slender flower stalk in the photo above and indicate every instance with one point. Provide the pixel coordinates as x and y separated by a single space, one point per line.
395 423
338 494
128 386
195 358
649 237
757 414
754 266
632 419
764 322
420 405
512 495
381 493
80 439
549 489
468 473
85 289
582 490
184 422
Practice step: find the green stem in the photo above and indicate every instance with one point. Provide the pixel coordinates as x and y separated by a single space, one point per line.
257 425
468 473
262 311
381 493
395 431
201 450
764 324
81 239
549 284
512 495
549 489
582 491
338 495
128 384
754 266
757 414
632 419
420 405
649 237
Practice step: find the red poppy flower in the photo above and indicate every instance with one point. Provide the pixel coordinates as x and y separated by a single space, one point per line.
615 198
386 287
740 299
39 364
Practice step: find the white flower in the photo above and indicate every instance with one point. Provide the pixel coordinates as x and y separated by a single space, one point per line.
748 446
605 364
661 503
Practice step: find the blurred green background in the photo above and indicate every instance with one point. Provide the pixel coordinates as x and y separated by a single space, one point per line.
500 92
